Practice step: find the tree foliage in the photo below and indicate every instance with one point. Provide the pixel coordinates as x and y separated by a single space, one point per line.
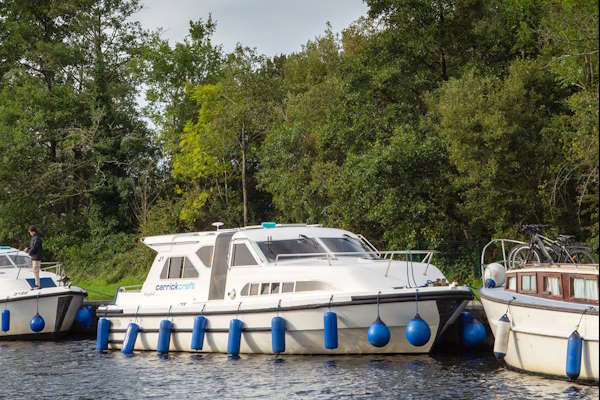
425 123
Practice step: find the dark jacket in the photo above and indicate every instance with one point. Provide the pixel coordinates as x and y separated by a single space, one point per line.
35 247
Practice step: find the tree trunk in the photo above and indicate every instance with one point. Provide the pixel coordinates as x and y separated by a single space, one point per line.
244 194
442 55
443 64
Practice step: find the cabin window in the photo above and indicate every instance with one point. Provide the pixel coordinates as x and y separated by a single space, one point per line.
264 289
287 287
528 283
205 254
511 283
552 285
245 289
347 244
275 287
582 288
242 255
189 271
303 245
177 268
21 261
254 289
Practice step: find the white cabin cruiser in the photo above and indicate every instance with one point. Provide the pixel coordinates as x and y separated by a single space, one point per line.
55 303
544 316
297 272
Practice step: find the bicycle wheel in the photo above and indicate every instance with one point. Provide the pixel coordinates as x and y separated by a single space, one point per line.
518 256
581 256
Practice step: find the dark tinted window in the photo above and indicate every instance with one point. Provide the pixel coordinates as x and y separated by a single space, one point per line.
346 245
4 262
292 246
164 274
205 254
189 271
21 261
242 256
175 267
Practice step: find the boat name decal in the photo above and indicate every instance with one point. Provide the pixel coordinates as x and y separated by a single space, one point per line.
176 286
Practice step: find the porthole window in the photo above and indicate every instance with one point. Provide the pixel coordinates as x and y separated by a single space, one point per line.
275 287
245 289
287 287
264 289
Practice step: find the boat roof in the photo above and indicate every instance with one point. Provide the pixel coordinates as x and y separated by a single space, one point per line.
256 233
506 296
568 268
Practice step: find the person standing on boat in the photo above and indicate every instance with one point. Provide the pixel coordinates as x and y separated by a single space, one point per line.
35 252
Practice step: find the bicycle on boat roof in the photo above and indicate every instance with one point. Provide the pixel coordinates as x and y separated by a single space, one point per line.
543 249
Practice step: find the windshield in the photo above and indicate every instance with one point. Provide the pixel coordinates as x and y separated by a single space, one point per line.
21 261
303 245
348 244
7 260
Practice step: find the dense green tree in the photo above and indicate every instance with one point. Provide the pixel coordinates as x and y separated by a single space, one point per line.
75 144
232 119
426 123
170 73
499 139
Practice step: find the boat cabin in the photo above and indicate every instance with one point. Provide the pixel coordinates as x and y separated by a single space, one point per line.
558 282
272 259
15 271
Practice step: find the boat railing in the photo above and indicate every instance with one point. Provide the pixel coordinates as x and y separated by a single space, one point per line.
130 288
422 256
52 265
126 289
504 244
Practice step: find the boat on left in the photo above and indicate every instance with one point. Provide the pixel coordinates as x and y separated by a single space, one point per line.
27 313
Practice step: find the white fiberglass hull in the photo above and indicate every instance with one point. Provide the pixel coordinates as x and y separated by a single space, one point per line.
538 335
304 326
57 306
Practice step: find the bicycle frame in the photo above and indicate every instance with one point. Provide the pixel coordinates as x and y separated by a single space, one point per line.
543 243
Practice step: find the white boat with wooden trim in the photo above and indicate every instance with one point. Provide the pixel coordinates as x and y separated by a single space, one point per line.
544 316
298 273
53 306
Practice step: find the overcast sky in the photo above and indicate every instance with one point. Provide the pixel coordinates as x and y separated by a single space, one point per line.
272 26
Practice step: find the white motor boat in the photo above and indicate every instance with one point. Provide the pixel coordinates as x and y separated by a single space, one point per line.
534 310
296 272
55 303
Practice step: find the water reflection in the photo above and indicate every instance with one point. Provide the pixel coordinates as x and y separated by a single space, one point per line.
74 370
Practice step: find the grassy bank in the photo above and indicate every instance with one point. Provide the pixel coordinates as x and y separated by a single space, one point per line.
100 289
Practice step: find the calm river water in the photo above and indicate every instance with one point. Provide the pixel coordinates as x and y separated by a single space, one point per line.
72 369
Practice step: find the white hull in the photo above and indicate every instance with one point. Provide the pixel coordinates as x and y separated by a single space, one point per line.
57 306
304 328
538 335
